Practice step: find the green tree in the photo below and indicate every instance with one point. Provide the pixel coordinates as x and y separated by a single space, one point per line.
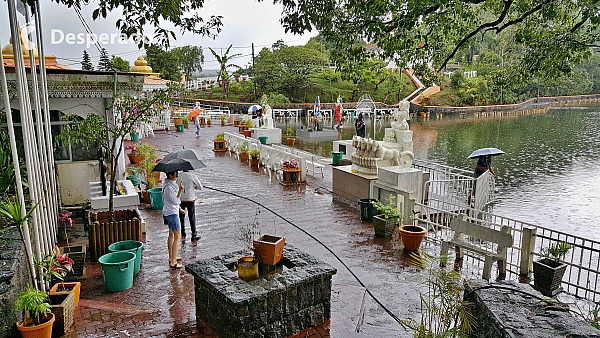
363 71
119 64
86 64
104 63
164 62
224 62
552 35
190 58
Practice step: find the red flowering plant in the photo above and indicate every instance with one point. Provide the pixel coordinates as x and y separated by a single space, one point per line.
291 164
55 265
65 218
132 147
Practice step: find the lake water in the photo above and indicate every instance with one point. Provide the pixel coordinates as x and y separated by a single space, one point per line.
550 175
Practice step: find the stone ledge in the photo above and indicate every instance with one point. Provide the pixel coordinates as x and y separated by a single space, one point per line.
507 314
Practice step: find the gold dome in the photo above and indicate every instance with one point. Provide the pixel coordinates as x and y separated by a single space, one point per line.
7 51
141 66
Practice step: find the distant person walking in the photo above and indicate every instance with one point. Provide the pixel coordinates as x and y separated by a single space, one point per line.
360 126
197 123
483 163
190 183
171 210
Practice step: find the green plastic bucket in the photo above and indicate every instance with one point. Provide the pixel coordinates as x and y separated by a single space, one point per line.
135 137
156 201
179 127
263 139
337 156
117 270
135 247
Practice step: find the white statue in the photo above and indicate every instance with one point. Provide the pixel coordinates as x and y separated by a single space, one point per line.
370 155
268 117
401 116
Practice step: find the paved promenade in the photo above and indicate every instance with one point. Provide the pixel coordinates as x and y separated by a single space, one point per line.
161 301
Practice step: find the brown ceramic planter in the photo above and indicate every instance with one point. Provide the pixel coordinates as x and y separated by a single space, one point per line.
291 141
222 123
412 236
291 175
145 197
202 121
244 157
69 287
43 330
269 249
242 127
178 121
247 133
254 162
237 122
208 122
219 145
134 158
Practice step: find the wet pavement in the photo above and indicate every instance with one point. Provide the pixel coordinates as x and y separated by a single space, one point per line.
161 301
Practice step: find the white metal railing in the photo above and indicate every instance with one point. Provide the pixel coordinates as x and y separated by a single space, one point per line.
270 157
583 260
312 160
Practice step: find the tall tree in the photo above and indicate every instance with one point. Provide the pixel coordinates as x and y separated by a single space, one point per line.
553 34
104 63
120 64
224 64
86 64
163 62
190 58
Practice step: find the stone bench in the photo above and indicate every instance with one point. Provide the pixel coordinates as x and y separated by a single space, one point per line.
502 238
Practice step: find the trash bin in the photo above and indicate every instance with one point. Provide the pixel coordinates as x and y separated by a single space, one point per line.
156 201
367 210
337 156
135 137
135 247
180 127
117 270
263 139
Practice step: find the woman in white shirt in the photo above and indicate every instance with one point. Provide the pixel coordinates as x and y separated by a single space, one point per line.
189 182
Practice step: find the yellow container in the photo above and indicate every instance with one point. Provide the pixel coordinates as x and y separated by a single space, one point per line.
247 268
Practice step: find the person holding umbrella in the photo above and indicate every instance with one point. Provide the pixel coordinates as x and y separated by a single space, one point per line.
483 163
171 210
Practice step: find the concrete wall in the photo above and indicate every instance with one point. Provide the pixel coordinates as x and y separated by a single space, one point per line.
73 178
14 276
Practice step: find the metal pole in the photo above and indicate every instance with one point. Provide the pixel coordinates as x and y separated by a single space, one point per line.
15 158
25 106
46 106
48 224
253 71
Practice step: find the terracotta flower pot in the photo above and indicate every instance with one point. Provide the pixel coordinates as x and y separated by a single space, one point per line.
269 249
254 162
145 197
208 122
43 330
202 121
178 121
134 158
412 236
70 287
247 133
222 123
291 141
244 157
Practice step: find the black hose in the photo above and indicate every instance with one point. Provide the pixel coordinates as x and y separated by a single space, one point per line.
389 312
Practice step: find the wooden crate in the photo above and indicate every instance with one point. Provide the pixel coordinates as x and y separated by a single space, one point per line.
103 233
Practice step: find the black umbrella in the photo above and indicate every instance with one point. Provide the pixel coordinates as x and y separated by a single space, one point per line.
188 154
486 152
178 164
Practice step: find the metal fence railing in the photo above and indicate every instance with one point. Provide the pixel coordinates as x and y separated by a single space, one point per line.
583 260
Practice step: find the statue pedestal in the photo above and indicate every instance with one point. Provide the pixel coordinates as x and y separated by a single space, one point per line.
269 123
351 185
406 179
398 139
273 135
345 147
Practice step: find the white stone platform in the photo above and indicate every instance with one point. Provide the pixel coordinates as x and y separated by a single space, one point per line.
324 135
409 180
351 185
273 135
344 145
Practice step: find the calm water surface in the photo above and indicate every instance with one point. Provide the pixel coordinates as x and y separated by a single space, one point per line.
550 175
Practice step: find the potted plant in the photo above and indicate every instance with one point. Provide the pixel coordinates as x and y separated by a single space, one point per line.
548 271
223 118
291 140
134 155
178 119
62 304
291 171
255 157
247 266
242 150
37 318
269 249
219 143
186 122
208 120
386 221
75 252
412 236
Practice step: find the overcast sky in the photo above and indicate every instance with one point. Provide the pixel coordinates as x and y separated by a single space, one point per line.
244 22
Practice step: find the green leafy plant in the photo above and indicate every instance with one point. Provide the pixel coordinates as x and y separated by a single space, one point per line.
289 131
248 123
223 118
254 153
54 265
11 212
149 156
443 311
186 120
389 210
556 252
209 119
220 136
33 303
243 148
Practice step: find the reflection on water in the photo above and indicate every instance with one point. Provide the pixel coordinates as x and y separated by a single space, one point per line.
550 174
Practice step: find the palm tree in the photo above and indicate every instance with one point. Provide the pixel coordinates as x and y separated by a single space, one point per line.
223 61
